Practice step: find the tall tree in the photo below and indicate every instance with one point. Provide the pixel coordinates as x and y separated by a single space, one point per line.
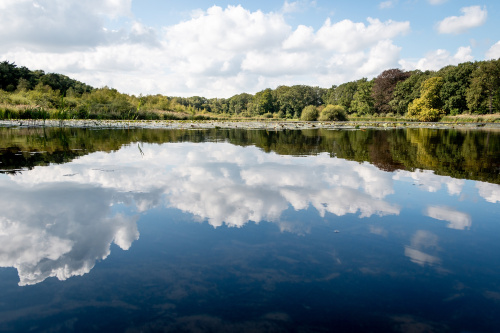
483 94
384 86
343 95
362 102
9 76
457 80
428 106
292 100
264 102
239 103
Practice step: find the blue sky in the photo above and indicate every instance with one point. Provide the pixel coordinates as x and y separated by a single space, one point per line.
221 48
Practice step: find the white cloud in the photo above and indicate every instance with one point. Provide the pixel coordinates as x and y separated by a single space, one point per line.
279 63
494 51
59 25
233 49
383 55
458 220
301 38
347 36
472 17
438 59
387 4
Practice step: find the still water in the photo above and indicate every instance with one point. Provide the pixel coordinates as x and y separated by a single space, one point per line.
241 230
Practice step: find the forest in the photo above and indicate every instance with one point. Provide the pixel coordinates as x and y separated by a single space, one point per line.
467 88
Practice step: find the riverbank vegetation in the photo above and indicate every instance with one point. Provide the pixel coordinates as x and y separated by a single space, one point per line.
466 91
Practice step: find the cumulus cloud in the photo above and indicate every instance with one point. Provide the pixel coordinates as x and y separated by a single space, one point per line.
494 51
473 16
348 36
458 220
235 49
59 25
437 59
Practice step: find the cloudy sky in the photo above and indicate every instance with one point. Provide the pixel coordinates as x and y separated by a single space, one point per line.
219 48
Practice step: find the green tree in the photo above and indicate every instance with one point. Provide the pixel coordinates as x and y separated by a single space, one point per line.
23 85
362 101
239 103
44 96
483 94
457 80
342 95
9 76
292 100
264 102
219 105
407 91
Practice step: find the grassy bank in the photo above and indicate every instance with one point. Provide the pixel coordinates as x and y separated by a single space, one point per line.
27 112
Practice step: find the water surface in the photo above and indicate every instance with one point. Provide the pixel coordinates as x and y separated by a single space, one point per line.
240 230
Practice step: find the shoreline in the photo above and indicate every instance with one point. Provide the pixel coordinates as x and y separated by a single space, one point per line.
264 125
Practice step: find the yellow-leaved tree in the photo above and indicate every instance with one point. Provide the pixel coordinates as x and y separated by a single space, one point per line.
428 106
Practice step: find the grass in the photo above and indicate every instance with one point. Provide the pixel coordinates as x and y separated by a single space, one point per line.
472 118
9 111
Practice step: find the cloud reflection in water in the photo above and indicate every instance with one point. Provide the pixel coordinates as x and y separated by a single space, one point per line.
458 220
423 241
59 229
54 225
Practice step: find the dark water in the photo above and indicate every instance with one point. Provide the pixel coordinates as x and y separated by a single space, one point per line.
249 231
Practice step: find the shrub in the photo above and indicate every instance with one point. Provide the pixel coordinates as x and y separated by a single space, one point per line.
333 113
310 113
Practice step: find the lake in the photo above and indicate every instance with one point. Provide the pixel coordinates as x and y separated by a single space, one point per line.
221 230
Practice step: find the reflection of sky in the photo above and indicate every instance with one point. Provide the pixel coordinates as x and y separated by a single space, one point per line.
458 220
422 243
490 192
223 183
430 182
47 231
59 219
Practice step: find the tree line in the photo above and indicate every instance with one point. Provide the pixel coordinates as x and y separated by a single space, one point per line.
470 87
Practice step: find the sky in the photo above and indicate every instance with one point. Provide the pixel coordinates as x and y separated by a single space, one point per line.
220 48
